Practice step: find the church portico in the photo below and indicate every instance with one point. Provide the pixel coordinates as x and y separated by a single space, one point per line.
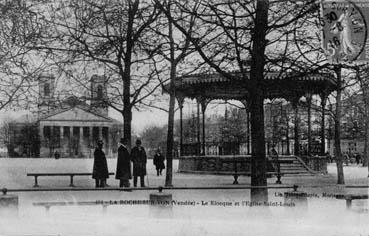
73 129
75 138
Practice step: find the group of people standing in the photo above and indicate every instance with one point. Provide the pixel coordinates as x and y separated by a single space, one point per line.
123 171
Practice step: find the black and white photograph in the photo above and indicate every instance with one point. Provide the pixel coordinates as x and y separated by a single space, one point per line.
179 117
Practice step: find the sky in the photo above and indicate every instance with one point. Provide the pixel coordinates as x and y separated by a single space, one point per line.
141 120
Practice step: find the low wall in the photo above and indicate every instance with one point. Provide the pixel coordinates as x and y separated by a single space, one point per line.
212 164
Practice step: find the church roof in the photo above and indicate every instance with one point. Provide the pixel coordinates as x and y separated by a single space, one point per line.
60 112
73 109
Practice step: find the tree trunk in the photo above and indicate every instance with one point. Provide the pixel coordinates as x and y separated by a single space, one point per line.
127 119
170 134
127 112
169 172
258 157
337 129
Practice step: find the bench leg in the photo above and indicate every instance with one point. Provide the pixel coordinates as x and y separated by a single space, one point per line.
71 181
348 203
36 183
279 176
235 176
235 179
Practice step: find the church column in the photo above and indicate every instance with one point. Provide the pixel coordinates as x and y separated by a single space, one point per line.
90 137
107 142
80 140
99 136
61 128
61 132
52 141
70 141
42 138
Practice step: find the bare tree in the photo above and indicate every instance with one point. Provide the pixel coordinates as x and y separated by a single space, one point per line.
108 37
20 27
357 102
174 49
247 37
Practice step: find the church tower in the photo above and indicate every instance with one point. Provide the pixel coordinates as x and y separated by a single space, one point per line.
46 89
99 94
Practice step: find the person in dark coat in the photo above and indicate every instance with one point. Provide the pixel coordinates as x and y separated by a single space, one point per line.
274 156
329 157
56 155
159 162
276 164
123 172
138 157
100 170
358 158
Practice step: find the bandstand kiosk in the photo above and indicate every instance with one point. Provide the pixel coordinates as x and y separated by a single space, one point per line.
290 86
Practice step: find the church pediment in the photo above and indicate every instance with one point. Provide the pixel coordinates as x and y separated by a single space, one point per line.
76 114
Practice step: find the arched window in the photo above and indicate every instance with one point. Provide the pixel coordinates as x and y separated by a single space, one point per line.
99 92
47 89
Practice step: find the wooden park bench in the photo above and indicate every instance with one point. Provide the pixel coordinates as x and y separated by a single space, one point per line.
236 173
36 175
350 197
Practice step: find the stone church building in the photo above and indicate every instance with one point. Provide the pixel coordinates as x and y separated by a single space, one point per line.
71 128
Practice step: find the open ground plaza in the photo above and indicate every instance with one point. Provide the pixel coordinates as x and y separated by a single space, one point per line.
200 212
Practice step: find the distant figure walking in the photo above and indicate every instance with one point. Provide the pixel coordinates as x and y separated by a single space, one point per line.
139 159
100 169
123 172
346 158
56 155
159 162
274 155
358 158
329 157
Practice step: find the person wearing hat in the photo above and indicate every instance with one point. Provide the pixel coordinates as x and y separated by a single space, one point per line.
159 162
138 157
100 169
123 172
